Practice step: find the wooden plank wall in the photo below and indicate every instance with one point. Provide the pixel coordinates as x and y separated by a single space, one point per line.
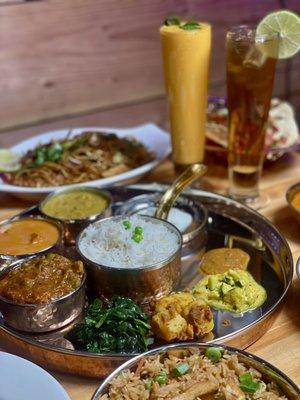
66 57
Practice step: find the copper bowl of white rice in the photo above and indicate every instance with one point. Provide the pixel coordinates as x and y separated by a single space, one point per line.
191 371
141 269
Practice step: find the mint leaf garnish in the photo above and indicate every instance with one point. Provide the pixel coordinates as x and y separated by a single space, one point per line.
172 21
190 25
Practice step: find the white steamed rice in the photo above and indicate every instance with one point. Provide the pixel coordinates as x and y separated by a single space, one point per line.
108 243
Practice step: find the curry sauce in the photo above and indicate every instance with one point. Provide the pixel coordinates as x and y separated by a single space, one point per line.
42 280
27 236
75 204
218 261
296 200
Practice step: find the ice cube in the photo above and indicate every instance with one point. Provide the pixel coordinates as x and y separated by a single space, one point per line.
254 58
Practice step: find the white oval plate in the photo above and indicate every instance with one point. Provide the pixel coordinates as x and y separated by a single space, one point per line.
153 137
21 379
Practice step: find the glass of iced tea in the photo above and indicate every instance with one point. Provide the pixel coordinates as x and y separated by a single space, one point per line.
251 63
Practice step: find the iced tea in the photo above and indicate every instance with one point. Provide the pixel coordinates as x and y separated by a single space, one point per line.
251 63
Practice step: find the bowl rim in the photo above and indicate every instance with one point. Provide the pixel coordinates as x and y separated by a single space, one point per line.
163 349
148 267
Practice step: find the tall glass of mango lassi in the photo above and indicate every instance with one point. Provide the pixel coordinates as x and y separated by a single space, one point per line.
186 48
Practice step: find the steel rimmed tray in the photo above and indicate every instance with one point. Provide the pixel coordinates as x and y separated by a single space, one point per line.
229 223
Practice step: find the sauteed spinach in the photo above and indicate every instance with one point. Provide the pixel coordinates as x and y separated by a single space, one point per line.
120 326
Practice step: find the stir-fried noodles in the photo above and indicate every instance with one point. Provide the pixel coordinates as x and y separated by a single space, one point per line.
87 157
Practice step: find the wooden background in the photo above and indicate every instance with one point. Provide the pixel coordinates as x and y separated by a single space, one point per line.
62 58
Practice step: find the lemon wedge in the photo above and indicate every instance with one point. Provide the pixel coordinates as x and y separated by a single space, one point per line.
9 160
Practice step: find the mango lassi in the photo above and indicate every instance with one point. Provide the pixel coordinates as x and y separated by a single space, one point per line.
186 58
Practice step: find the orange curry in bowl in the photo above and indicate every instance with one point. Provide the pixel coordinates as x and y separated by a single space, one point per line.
27 236
42 279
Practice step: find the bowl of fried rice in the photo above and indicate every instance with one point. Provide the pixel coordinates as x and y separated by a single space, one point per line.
196 371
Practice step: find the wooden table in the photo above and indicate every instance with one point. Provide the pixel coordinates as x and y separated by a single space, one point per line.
281 344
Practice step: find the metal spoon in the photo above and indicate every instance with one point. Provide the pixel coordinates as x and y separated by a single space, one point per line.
166 202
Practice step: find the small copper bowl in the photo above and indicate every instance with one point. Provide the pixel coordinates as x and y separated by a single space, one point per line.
42 317
72 227
142 284
8 259
289 197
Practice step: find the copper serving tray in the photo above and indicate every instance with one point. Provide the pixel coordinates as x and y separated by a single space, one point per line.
229 224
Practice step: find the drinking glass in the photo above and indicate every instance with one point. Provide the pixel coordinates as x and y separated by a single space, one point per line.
251 63
186 59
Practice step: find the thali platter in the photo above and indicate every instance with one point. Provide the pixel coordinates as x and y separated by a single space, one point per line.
229 224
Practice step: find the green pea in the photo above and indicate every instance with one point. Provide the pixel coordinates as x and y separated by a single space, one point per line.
137 237
214 353
127 224
161 378
138 230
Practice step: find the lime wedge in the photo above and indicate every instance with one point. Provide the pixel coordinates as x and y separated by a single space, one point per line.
287 24
9 160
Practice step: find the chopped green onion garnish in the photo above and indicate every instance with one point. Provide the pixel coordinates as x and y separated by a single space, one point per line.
181 369
172 21
190 25
247 384
148 384
214 353
161 378
127 224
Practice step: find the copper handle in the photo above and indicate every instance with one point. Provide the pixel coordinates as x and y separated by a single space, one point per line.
192 173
